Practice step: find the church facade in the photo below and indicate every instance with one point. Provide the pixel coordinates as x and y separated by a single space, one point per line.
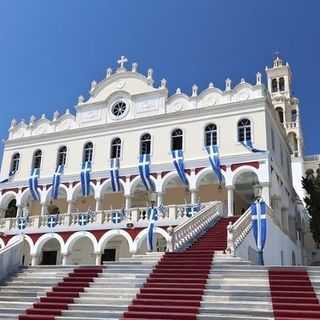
129 121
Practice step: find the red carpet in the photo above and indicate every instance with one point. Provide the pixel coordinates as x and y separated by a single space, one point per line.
292 294
174 289
62 294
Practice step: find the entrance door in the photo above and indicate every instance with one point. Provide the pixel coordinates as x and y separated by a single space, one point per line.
49 258
108 255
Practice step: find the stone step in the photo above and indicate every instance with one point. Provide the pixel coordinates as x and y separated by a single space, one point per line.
93 314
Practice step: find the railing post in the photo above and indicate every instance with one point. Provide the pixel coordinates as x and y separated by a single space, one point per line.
230 242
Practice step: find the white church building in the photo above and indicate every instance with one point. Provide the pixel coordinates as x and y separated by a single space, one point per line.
128 115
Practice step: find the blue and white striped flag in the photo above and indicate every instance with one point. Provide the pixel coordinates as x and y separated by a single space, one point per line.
115 176
248 144
144 170
214 159
85 178
178 162
33 184
153 217
56 181
259 223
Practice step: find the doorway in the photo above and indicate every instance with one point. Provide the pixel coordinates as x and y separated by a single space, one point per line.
108 255
49 258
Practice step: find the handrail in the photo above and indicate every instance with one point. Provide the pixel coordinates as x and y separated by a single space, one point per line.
184 234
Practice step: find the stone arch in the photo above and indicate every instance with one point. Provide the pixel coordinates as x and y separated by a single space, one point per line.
44 239
18 237
61 203
28 204
83 203
2 244
27 248
138 192
179 193
110 199
114 233
6 198
79 235
143 234
208 187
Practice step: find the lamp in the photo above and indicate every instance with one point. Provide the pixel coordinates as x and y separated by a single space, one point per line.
257 190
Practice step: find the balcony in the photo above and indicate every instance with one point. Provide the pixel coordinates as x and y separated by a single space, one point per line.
292 125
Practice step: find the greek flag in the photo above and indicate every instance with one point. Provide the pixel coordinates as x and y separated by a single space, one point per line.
22 223
144 170
114 174
52 221
192 210
214 159
85 178
56 181
153 217
117 217
178 162
33 184
83 219
248 144
259 223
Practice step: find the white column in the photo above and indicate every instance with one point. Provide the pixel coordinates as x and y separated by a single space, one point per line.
159 198
19 211
127 202
98 204
98 258
266 193
34 259
43 209
64 259
69 207
230 190
194 195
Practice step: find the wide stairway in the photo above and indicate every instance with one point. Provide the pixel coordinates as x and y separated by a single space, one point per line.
175 288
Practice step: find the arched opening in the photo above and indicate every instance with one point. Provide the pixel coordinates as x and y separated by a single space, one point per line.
174 191
62 156
160 244
210 135
281 84
59 205
209 188
294 115
26 254
15 161
177 139
111 200
279 111
88 152
274 85
139 194
244 191
81 251
244 130
83 204
145 144
29 205
115 248
37 157
115 152
293 142
50 253
11 211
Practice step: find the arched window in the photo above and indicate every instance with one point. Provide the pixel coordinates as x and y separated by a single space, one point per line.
177 139
211 134
62 156
115 148
244 130
11 211
14 163
281 84
274 85
37 156
294 115
145 144
280 114
88 152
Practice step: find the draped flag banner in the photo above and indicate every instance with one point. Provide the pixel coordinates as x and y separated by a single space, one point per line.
33 184
214 159
114 174
178 162
259 226
56 181
249 146
85 178
144 170
153 217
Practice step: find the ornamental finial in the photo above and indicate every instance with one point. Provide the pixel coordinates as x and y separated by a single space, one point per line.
32 120
194 90
13 123
134 67
55 115
109 73
43 116
211 85
163 83
178 91
80 99
93 85
242 80
228 84
258 78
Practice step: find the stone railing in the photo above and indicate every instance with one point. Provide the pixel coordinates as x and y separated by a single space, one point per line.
135 217
184 234
10 258
238 231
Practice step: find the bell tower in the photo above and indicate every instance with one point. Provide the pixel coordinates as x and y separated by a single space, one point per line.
279 78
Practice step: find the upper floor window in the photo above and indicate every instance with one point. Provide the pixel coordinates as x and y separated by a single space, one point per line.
274 85
115 148
62 156
177 139
15 163
280 114
281 84
244 130
211 134
294 115
145 144
37 156
88 152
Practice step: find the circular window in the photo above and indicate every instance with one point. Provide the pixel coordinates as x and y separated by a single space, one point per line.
119 109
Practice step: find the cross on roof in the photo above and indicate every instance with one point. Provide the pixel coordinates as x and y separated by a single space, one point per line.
122 61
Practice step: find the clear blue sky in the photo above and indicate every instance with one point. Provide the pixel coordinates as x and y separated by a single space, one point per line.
51 50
